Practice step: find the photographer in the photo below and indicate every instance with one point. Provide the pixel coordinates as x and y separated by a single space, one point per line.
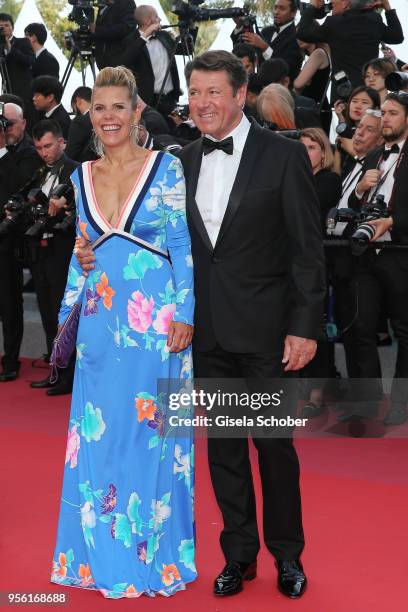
45 63
383 273
18 162
147 53
50 249
114 21
354 31
47 95
278 40
79 144
247 54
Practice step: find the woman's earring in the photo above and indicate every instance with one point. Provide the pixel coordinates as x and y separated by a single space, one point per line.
134 133
97 145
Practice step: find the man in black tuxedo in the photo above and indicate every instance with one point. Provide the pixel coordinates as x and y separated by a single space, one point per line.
79 144
19 59
47 95
147 54
45 63
18 162
385 274
353 34
112 25
279 40
259 285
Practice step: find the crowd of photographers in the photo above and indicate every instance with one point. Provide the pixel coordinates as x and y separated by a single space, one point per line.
361 177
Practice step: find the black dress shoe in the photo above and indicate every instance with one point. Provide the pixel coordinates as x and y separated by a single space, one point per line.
8 376
311 410
397 415
229 582
291 578
42 384
60 389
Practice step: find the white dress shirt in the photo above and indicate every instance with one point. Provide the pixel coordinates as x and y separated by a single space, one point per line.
159 59
268 53
37 53
49 113
217 176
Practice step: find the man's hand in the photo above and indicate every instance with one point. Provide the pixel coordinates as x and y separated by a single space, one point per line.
56 204
346 144
151 29
369 180
92 27
255 40
386 5
404 68
317 3
2 139
381 226
84 255
298 352
179 336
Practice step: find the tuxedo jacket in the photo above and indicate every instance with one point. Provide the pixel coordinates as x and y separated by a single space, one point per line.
79 139
265 276
45 64
399 199
137 58
61 116
285 46
113 23
19 61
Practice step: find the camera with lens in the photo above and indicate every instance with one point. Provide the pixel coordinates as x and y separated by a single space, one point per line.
292 134
83 14
343 85
396 81
189 12
16 210
4 122
323 11
360 232
39 204
3 42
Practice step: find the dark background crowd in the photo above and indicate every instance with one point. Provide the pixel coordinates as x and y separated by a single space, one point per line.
317 66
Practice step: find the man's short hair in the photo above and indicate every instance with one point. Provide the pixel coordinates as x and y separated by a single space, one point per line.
6 17
294 5
83 92
254 84
38 30
219 61
13 99
401 97
48 85
44 127
245 50
143 14
273 71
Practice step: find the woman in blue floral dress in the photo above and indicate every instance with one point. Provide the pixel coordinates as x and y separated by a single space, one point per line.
126 523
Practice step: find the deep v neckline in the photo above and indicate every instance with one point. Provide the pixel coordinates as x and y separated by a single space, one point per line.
129 198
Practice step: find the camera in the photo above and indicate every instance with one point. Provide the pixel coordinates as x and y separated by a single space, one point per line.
362 231
40 219
323 11
4 122
189 12
292 134
344 130
396 81
3 41
17 209
343 85
83 14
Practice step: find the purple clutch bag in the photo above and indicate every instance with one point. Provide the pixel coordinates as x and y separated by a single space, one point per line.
65 341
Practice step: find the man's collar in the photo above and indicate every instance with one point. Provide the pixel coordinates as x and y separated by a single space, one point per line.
239 133
37 53
48 113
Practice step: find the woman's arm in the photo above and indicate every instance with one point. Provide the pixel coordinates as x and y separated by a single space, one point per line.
317 61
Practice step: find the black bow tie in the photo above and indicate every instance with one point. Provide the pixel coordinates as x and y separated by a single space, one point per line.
387 152
226 145
277 29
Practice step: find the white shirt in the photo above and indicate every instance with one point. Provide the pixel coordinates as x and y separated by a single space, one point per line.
159 59
348 185
217 176
37 53
3 152
267 54
48 113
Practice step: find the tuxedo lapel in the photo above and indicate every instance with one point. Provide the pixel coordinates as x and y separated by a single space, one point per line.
249 155
192 166
280 39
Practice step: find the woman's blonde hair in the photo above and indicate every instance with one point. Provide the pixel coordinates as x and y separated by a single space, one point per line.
275 104
319 136
118 76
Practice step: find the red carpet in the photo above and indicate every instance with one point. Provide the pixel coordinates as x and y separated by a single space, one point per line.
355 501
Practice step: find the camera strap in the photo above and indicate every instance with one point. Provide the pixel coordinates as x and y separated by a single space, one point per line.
351 177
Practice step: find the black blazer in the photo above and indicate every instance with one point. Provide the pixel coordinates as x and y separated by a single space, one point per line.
19 61
399 200
113 24
285 46
328 188
265 277
45 64
79 139
61 116
137 58
353 37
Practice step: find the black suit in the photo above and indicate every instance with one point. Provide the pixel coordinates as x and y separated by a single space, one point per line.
16 168
384 276
113 23
137 58
19 61
264 279
45 64
79 145
353 37
286 47
61 116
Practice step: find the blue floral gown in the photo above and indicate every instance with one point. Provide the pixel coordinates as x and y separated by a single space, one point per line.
126 524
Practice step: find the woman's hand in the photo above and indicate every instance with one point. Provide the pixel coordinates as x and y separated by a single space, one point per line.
179 337
339 107
346 144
